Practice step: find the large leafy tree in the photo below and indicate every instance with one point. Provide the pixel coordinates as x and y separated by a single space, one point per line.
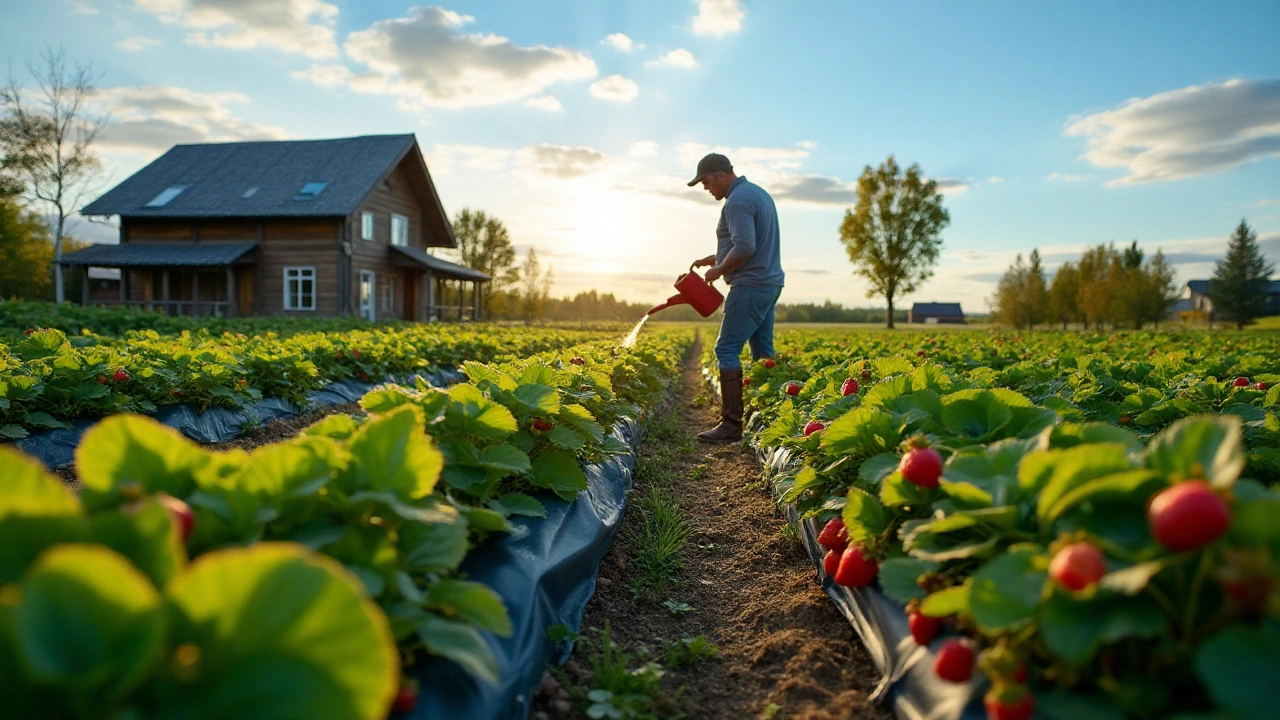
892 235
1238 289
1063 292
1021 298
485 245
534 287
47 142
25 251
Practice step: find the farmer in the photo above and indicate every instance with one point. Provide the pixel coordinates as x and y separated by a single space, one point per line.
749 259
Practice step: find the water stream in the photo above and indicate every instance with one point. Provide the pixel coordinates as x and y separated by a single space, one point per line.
631 339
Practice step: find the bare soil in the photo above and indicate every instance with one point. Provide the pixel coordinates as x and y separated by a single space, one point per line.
784 650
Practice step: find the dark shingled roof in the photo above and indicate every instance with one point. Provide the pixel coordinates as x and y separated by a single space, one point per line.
160 254
217 176
938 309
1201 287
440 267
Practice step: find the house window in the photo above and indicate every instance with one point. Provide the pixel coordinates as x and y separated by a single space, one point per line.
166 196
366 226
399 230
367 281
299 288
389 295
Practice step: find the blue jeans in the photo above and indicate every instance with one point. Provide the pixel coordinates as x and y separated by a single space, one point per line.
748 317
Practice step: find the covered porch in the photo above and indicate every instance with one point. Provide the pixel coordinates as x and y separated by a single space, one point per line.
452 292
193 279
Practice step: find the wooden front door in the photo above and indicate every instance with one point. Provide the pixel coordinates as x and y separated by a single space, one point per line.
245 291
410 281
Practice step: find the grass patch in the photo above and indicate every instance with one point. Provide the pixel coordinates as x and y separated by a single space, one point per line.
689 651
657 543
624 687
789 533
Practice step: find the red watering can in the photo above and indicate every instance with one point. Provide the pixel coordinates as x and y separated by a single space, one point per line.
693 291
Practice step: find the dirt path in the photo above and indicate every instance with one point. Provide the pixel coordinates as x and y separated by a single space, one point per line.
784 650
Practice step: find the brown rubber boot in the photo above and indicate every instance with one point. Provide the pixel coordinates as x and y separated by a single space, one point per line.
730 427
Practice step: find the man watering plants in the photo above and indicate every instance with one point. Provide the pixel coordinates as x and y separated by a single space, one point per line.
749 259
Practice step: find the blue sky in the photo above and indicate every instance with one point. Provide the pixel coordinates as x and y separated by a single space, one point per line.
1050 125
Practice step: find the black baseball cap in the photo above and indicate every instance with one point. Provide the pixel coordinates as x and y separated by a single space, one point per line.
715 162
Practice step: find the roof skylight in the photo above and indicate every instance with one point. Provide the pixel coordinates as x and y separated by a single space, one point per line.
249 193
311 190
166 196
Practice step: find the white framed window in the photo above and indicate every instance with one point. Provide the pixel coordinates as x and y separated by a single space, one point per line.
399 230
368 280
299 288
366 226
389 295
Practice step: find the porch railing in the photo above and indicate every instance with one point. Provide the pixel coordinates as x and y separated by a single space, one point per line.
189 308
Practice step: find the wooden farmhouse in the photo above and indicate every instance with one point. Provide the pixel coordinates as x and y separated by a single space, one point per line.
304 228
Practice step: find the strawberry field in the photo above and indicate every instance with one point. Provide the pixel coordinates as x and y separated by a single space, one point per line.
305 578
1068 525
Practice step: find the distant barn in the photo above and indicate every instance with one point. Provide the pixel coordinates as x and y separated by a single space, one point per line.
936 314
1194 304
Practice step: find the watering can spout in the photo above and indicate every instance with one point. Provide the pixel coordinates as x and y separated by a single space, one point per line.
673 300
693 291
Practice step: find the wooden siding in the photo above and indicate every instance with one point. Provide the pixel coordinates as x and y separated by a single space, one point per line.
299 243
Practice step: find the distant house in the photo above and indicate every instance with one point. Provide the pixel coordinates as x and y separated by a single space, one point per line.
302 228
936 314
1194 304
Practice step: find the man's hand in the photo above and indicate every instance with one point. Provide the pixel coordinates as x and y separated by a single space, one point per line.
707 261
714 274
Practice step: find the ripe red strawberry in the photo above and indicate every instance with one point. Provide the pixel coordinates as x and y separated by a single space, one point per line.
746 381
856 569
1009 704
919 353
850 387
176 393
793 388
542 425
1261 386
1241 382
364 375
813 427
834 536
1078 566
183 518
831 562
866 374
576 360
102 379
121 375
28 331
1187 516
406 697
355 354
340 355
921 466
954 662
923 628
769 363
1125 420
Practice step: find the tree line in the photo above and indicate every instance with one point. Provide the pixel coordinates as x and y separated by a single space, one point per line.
1110 287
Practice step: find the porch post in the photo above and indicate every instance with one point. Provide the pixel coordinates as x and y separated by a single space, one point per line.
84 287
231 292
124 285
164 290
195 293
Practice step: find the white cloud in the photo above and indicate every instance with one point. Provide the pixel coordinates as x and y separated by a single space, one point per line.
993 179
137 43
620 42
446 159
718 17
1264 203
777 169
1183 133
325 75
299 26
1068 177
615 88
81 7
807 145
561 161
151 119
548 103
679 58
812 190
643 148
428 61
952 186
